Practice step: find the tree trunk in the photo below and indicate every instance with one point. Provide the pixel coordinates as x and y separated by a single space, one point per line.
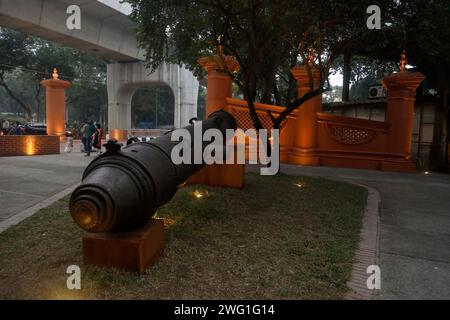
347 77
254 115
266 92
447 144
447 120
276 94
250 95
436 147
38 103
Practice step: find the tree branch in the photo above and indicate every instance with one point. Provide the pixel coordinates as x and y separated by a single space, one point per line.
16 98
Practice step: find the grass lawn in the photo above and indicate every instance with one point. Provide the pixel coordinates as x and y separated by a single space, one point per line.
281 237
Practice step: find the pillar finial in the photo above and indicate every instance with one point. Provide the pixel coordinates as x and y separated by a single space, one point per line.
220 61
55 74
403 61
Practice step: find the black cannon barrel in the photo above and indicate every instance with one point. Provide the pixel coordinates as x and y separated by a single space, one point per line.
123 188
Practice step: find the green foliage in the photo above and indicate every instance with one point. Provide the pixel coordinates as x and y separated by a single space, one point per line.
365 72
14 51
333 95
426 37
14 48
264 36
422 28
363 67
25 61
201 103
153 105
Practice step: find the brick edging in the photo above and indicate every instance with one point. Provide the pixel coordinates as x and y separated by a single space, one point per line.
368 250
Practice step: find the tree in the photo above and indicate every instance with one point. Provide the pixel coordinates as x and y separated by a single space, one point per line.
33 60
14 52
333 95
425 35
46 56
201 102
363 73
422 28
266 37
87 98
25 61
347 72
153 105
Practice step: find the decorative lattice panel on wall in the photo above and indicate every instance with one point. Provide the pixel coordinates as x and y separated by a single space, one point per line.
352 136
245 122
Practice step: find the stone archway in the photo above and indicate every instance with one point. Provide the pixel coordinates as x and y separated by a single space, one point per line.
124 79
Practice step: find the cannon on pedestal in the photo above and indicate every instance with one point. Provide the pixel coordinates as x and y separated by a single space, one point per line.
122 189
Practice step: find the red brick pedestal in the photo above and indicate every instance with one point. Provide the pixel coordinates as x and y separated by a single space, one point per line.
131 251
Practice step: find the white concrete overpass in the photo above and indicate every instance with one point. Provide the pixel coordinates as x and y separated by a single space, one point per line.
106 31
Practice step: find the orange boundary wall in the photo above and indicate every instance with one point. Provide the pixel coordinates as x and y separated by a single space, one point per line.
341 141
311 137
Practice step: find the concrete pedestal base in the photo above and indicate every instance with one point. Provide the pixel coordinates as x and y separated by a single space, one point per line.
131 251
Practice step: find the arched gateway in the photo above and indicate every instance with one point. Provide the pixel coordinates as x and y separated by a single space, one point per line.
124 79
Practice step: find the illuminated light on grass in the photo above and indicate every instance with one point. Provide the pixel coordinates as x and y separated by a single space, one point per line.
197 194
168 222
300 185
427 173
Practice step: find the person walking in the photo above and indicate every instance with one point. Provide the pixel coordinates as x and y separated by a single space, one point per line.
12 129
15 129
83 132
97 138
19 130
90 132
69 144
5 126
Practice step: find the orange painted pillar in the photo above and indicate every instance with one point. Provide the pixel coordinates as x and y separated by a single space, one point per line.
402 87
305 140
220 85
219 89
55 91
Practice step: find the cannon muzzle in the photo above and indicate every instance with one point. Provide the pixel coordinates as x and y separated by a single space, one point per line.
122 189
